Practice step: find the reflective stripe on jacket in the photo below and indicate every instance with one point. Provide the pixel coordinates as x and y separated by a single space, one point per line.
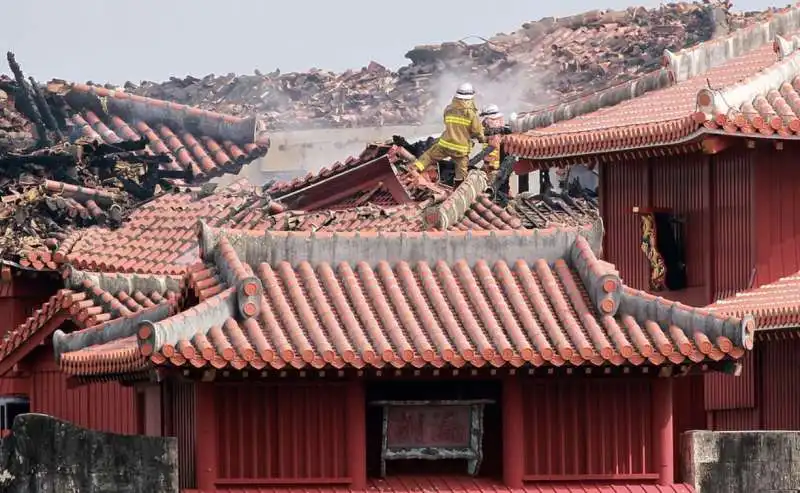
461 125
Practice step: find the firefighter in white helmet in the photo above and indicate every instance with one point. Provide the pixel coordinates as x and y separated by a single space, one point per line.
493 127
461 125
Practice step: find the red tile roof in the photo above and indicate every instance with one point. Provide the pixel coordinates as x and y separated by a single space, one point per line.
94 302
742 69
160 236
205 143
774 306
355 299
460 484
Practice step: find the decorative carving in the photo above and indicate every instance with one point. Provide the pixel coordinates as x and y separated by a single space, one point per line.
433 430
658 271
662 244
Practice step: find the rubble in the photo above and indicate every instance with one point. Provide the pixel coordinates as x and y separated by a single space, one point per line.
45 193
545 61
50 185
15 132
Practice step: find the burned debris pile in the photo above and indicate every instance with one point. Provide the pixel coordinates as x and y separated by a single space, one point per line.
543 62
46 192
49 184
14 128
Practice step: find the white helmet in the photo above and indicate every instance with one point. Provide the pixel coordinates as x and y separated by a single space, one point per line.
465 91
491 111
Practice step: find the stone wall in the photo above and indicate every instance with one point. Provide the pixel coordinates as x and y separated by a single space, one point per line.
47 455
742 461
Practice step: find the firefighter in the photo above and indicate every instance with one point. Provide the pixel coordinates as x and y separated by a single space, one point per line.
461 125
493 127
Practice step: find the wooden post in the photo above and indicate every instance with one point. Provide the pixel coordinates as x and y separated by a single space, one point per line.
205 445
513 436
357 435
663 432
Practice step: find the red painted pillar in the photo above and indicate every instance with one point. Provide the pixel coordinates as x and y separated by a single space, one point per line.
205 445
663 433
357 435
513 436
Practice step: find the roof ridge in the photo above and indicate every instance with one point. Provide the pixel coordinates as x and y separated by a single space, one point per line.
711 102
200 319
698 59
273 247
450 211
114 282
712 325
112 330
603 283
209 123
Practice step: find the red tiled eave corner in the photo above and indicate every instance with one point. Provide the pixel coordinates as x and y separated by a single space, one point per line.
88 303
455 299
773 306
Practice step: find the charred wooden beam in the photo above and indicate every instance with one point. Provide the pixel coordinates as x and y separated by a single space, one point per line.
27 96
49 160
118 148
44 109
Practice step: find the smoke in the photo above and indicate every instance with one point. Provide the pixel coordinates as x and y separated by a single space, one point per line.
515 92
299 152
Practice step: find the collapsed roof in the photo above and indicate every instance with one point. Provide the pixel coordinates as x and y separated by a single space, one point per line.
72 156
541 63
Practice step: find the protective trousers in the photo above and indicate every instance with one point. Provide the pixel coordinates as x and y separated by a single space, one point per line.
437 153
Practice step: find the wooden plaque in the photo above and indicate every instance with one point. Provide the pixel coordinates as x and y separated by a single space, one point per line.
433 430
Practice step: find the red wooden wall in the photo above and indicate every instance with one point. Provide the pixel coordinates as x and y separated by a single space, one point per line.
178 406
711 193
282 433
777 231
592 429
623 186
765 396
107 406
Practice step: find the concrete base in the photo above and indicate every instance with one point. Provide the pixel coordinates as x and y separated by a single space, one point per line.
46 455
741 462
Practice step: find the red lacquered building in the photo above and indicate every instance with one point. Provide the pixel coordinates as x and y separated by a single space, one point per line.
699 160
400 361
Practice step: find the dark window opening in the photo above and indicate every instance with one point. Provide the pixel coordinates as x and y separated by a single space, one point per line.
491 464
10 408
523 183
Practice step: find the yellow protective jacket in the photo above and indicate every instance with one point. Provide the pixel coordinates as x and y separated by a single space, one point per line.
461 124
493 158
